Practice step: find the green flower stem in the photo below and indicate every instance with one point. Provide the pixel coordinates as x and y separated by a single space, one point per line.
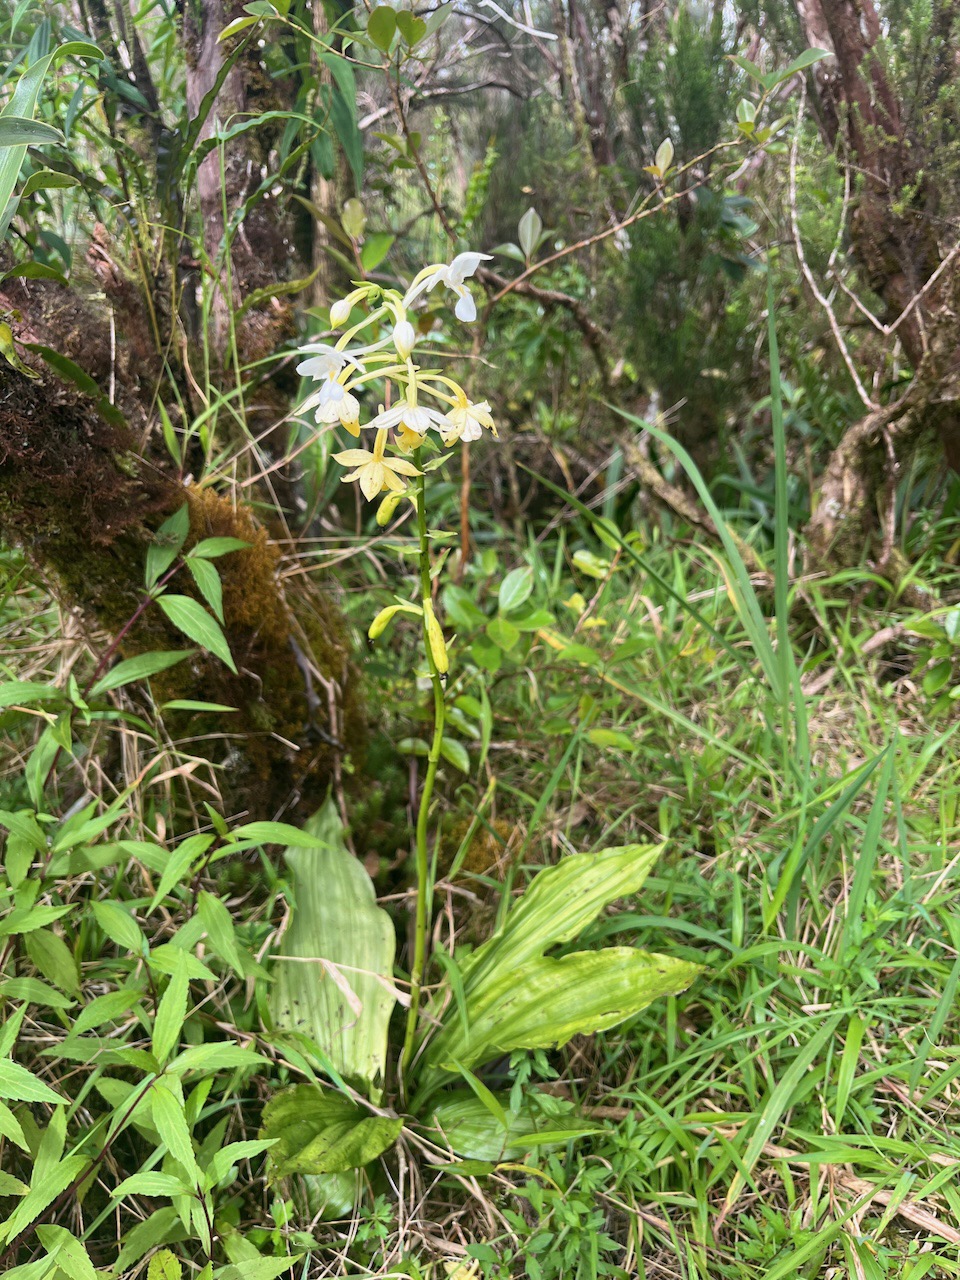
422 926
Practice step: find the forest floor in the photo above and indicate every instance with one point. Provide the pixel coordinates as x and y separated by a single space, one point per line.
795 1112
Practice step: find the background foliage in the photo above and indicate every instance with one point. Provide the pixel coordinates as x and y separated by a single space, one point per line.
655 641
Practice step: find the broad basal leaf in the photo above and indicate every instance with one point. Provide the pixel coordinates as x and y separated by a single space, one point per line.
544 1003
468 1128
319 1131
559 904
334 974
329 1196
515 996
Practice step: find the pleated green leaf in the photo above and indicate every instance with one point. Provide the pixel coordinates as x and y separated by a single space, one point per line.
559 904
543 1004
515 996
334 973
317 1131
467 1126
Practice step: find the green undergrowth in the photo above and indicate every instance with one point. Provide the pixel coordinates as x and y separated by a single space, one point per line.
797 1113
792 1113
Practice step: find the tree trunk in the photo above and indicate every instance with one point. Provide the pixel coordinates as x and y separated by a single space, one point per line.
84 483
894 233
249 239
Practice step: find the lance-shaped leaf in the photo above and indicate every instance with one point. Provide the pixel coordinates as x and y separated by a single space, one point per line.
22 102
334 973
528 232
543 1004
558 905
317 1131
514 996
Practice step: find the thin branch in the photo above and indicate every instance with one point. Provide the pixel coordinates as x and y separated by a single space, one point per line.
595 338
520 26
456 90
646 210
823 300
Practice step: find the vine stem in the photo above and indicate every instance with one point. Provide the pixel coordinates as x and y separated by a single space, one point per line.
422 924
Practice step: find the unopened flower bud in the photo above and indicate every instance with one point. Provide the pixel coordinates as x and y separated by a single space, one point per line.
340 313
404 338
383 620
388 506
438 648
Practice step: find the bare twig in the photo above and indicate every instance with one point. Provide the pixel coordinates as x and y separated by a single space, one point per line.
808 275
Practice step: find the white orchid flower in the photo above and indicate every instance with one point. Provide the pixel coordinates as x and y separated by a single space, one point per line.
453 276
336 404
325 361
469 420
388 417
342 309
420 418
375 470
417 418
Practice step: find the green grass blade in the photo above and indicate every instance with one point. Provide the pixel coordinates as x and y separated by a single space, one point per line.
746 600
781 528
867 856
777 1103
643 564
848 1067
931 1034
801 853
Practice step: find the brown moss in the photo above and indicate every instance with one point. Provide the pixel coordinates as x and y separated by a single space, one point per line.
490 851
114 346
76 497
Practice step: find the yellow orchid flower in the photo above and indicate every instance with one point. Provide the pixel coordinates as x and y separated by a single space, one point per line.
375 471
407 440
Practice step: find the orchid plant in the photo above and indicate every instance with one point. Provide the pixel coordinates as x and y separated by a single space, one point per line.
511 993
416 406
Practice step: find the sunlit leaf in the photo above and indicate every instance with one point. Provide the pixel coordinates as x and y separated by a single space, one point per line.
516 996
515 589
119 926
334 973
382 26
16 131
171 1013
171 1123
17 1084
412 28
